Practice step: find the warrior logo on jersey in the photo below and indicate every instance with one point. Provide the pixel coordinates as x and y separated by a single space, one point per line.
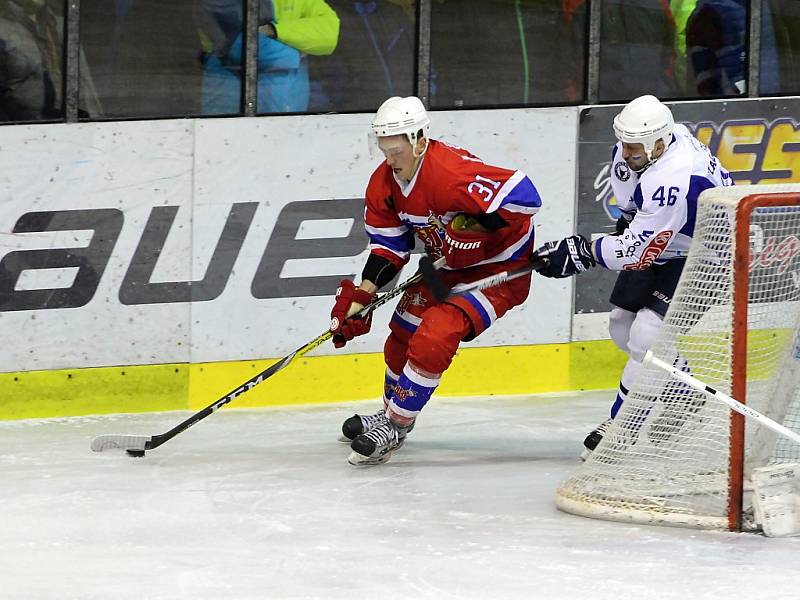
622 171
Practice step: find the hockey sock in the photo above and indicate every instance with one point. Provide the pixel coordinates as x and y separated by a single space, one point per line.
622 394
620 322
643 331
411 394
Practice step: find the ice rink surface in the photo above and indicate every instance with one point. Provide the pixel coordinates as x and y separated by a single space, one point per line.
261 504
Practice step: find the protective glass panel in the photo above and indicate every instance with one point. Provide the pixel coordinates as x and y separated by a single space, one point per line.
507 52
672 49
31 60
374 58
142 58
780 47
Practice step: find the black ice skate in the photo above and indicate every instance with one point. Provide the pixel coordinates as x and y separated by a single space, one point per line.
375 446
357 424
593 439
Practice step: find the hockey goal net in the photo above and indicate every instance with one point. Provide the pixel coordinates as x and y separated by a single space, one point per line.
673 456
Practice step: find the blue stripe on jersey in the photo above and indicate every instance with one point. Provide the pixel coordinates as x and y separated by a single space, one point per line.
525 249
637 196
487 320
398 243
613 154
523 194
598 252
403 323
697 184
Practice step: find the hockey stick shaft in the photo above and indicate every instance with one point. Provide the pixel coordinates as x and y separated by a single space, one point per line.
141 442
442 291
722 397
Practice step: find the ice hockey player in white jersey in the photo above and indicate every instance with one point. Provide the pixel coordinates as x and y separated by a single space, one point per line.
658 171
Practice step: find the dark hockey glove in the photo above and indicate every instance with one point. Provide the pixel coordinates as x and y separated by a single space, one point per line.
565 257
622 224
349 300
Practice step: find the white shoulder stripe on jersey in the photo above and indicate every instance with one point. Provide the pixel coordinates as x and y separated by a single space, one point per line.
518 208
504 191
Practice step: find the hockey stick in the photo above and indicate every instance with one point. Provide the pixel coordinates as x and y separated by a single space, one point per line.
724 398
442 291
135 445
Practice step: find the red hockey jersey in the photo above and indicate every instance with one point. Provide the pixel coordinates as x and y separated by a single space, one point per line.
449 181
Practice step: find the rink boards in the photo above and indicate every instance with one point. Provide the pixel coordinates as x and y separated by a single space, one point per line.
157 264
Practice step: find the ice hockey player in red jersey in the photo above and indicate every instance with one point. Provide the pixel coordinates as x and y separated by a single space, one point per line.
478 216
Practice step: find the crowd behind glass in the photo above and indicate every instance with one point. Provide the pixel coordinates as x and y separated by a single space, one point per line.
182 58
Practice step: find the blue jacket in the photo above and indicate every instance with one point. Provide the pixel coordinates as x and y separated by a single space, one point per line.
715 40
282 79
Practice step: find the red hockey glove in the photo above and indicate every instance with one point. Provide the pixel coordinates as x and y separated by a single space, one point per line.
349 300
464 242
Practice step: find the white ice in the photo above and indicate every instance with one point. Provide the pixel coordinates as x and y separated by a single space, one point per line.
261 504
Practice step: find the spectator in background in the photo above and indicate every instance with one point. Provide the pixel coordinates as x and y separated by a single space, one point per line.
288 30
31 58
681 10
715 38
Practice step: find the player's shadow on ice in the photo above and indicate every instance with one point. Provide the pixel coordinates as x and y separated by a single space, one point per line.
485 452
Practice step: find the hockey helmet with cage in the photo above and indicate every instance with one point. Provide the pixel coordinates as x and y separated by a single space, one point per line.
644 120
398 116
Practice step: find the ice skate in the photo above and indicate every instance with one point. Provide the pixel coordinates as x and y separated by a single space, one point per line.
593 439
376 445
357 424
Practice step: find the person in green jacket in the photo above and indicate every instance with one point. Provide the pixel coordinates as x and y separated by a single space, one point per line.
288 31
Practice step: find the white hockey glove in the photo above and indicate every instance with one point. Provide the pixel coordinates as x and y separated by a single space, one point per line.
565 257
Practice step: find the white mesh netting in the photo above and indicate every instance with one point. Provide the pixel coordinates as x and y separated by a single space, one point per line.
665 459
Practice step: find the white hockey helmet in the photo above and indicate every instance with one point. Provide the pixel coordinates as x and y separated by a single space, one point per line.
644 120
399 116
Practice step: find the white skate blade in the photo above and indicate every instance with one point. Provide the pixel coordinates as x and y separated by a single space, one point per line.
359 460
119 441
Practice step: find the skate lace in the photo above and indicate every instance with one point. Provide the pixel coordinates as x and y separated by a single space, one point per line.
383 434
370 421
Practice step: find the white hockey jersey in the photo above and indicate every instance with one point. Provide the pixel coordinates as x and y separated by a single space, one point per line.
662 201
